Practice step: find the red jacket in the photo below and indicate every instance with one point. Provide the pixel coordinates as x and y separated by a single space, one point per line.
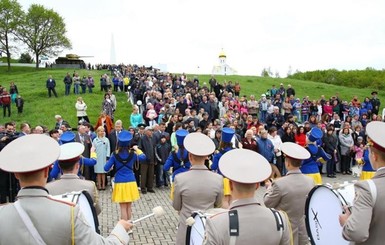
300 139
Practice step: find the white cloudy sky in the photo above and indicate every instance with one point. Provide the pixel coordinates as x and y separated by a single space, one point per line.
187 34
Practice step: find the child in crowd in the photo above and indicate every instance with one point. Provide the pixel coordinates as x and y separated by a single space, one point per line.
19 104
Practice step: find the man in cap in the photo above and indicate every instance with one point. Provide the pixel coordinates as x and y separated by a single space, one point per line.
375 102
365 223
238 224
38 218
197 189
69 164
289 193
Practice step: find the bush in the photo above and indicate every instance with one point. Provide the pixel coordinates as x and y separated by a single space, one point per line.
25 58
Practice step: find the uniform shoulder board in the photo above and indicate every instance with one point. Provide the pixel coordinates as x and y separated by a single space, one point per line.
62 201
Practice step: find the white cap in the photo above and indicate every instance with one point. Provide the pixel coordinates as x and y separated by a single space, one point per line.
376 132
199 144
29 153
244 166
70 151
295 151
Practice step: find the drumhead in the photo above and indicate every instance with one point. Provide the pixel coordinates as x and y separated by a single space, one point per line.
347 192
86 205
322 210
195 234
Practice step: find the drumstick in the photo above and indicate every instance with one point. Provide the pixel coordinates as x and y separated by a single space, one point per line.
157 211
190 221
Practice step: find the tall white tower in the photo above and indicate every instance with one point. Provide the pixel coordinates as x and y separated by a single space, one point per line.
112 51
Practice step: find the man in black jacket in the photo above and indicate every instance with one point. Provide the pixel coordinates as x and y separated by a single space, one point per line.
147 145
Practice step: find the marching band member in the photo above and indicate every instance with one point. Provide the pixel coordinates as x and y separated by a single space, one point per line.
69 158
65 138
36 216
317 155
225 146
197 189
178 159
365 223
289 193
367 170
125 189
238 224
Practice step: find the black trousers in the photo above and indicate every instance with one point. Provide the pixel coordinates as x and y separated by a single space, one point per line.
5 108
52 90
147 177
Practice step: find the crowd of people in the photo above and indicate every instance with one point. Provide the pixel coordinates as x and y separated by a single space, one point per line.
170 116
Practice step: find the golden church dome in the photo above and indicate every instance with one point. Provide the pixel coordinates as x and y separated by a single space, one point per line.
222 54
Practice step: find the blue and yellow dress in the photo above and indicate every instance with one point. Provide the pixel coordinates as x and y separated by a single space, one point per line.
367 170
180 163
215 167
125 189
309 166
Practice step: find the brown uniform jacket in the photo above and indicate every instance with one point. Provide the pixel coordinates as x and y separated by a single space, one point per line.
366 224
289 194
52 220
196 189
257 225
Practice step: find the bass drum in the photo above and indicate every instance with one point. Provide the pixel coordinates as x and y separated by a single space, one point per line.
195 233
85 203
323 207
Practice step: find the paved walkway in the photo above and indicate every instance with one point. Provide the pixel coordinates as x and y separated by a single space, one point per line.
159 230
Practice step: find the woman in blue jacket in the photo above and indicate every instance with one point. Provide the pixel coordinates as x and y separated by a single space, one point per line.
125 190
177 159
224 146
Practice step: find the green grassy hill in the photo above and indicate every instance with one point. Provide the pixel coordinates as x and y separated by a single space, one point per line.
40 110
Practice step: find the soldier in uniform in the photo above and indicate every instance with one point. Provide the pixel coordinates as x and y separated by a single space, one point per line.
37 217
290 192
178 159
365 223
238 224
70 181
197 189
224 146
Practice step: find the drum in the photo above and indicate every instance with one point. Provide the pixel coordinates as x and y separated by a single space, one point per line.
85 202
323 207
195 233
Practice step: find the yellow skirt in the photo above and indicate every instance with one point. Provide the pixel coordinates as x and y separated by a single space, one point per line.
316 177
172 191
367 175
125 192
226 187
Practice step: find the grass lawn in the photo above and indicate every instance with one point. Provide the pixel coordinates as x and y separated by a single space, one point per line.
40 110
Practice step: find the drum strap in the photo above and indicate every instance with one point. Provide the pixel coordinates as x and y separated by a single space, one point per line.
28 223
373 190
234 226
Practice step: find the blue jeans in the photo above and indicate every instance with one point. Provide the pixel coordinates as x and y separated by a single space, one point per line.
76 87
161 176
67 88
330 166
305 117
90 89
262 116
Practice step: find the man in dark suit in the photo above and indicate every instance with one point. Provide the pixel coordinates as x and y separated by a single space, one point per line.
147 145
113 136
83 138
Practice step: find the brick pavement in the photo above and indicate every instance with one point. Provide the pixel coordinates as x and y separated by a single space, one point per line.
161 230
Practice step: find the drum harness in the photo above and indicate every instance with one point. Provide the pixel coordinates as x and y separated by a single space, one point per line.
124 161
180 161
32 229
234 224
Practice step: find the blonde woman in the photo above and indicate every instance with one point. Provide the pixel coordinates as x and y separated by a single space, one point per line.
81 108
135 118
101 144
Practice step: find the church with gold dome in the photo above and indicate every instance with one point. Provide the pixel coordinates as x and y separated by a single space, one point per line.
223 68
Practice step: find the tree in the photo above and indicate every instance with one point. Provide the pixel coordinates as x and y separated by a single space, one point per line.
25 58
10 19
43 31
